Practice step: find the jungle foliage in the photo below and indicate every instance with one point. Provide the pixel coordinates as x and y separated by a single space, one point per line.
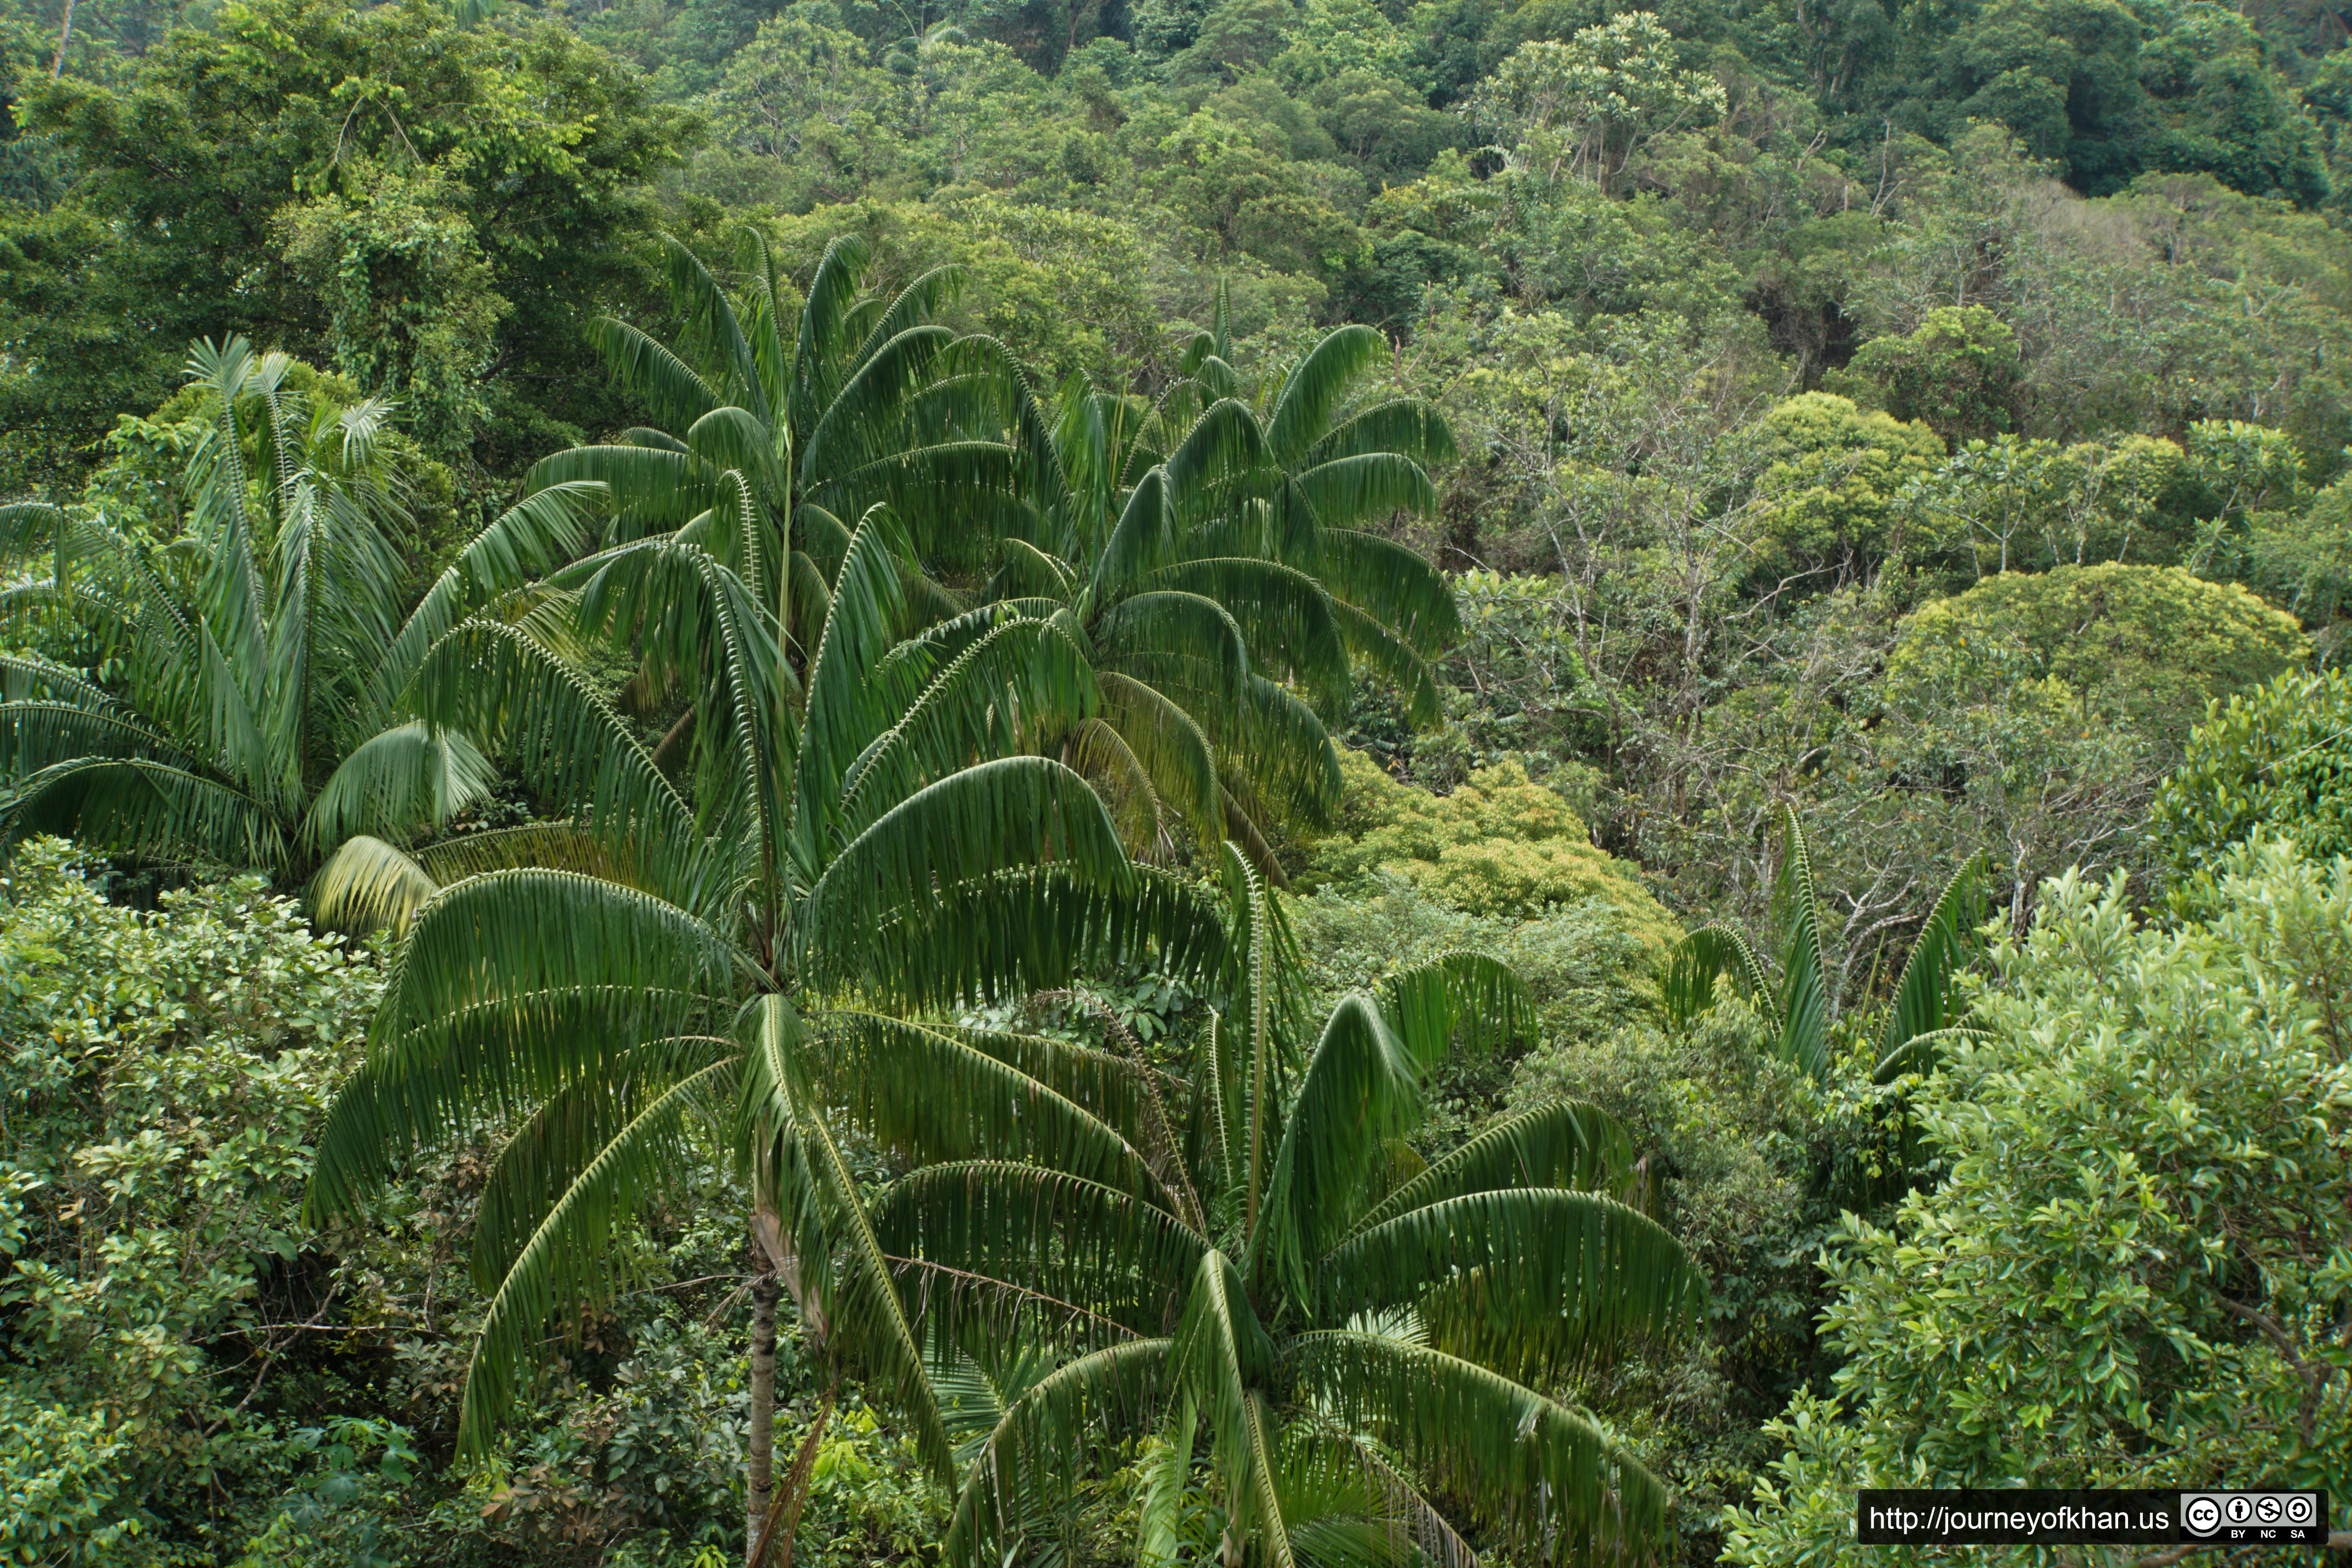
1146 782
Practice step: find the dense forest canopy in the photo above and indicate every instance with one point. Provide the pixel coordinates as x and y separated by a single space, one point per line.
1161 782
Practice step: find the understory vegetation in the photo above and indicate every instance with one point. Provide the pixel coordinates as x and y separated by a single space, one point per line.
1166 782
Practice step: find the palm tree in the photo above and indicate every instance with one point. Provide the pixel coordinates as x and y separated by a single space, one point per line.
807 421
1214 559
239 700
1248 1270
858 846
1803 1003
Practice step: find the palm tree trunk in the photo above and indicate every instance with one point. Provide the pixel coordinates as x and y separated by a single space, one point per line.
786 1514
760 1460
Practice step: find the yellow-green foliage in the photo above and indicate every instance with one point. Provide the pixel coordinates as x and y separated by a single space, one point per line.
1833 473
1499 845
2149 645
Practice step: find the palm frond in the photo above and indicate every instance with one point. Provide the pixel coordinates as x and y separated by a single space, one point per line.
651 373
990 817
1687 979
368 883
1284 615
860 426
997 1251
408 777
1406 426
1533 1282
1805 1001
1546 1479
1393 585
819 356
1153 630
564 1262
1348 492
1918 1054
798 1167
1043 1443
1010 688
1223 1358
512 695
1923 997
977 1105
1567 1143
652 488
994 939
1168 746
713 327
528 540
144 809
1318 386
1391 658
1217 459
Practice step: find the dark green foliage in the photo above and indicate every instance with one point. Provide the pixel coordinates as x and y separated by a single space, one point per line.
423 206
2276 760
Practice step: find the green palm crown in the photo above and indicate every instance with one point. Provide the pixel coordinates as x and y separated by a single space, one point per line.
1243 1266
249 710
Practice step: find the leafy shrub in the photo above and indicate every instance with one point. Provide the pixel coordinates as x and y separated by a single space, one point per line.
2137 1266
2278 758
162 1073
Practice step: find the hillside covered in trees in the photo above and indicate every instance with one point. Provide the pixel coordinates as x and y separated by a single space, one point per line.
1072 782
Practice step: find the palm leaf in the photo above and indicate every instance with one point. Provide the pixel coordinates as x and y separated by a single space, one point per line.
1804 972
1043 1442
564 1260
1405 426
1923 997
409 777
144 809
1543 1477
1532 1283
651 373
1222 1357
1347 492
1687 978
986 818
1394 585
1566 1143
1317 385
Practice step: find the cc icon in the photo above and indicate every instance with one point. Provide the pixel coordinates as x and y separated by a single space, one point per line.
2202 1516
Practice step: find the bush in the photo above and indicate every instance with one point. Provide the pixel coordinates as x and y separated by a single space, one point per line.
2137 1268
165 1072
2277 759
